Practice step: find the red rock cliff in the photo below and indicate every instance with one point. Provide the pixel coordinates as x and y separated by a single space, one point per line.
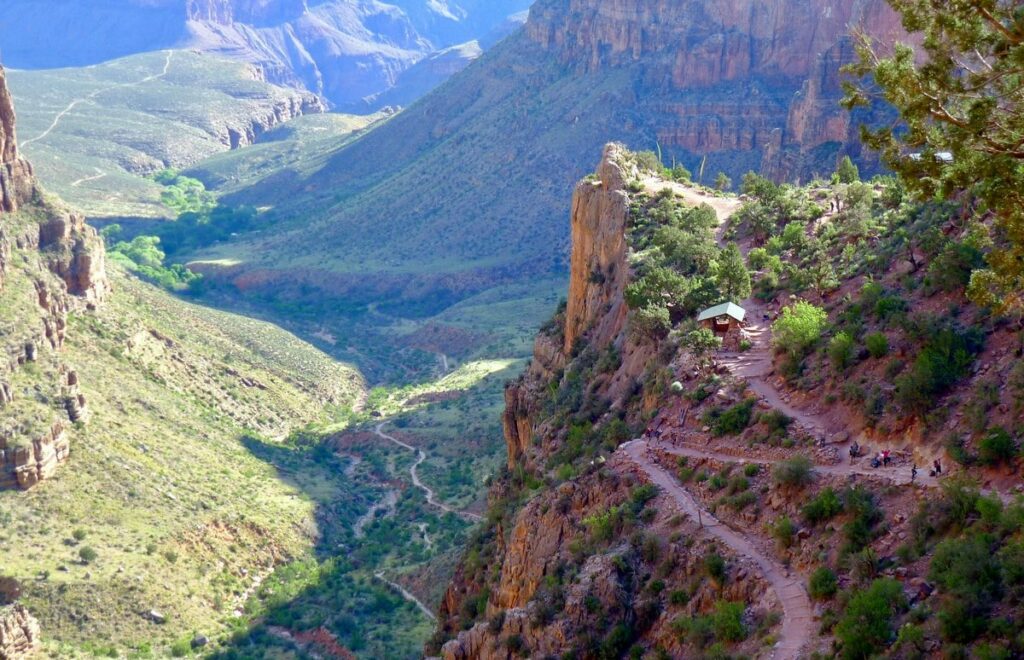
724 75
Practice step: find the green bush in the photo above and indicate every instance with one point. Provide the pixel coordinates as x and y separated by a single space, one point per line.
866 627
732 420
79 535
946 358
784 531
751 470
840 351
823 583
795 472
971 578
878 344
825 506
87 555
727 621
714 564
798 328
997 447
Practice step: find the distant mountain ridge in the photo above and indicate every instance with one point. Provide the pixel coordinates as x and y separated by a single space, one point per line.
345 50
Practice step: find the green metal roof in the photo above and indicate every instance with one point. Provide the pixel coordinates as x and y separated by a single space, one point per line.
724 309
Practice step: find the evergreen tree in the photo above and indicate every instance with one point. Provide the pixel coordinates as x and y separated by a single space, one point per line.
733 278
847 172
723 182
964 99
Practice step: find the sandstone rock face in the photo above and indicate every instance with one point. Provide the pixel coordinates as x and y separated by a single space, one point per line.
598 269
19 633
723 75
16 185
25 464
64 261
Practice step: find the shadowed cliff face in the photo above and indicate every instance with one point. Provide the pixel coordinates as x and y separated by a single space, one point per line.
723 75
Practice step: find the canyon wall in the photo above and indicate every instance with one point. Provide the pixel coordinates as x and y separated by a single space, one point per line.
62 267
529 577
725 76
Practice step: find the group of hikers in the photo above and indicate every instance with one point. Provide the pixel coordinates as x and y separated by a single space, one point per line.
884 458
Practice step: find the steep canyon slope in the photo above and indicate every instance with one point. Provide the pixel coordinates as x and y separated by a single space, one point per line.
346 51
486 162
669 497
130 428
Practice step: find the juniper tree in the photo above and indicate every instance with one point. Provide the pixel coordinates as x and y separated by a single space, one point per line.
965 96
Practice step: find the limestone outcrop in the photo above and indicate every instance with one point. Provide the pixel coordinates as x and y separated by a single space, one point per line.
16 184
19 633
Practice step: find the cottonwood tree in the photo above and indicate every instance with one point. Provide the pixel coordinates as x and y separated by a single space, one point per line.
965 97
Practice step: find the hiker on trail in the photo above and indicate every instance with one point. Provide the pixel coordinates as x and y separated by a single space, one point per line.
886 458
854 450
938 467
913 473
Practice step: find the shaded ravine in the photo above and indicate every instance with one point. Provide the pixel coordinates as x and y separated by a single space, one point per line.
421 456
797 627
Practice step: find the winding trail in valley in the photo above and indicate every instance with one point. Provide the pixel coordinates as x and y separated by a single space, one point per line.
407 595
92 95
797 628
99 175
421 456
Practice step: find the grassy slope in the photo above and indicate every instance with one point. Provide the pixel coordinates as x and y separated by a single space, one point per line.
147 120
163 468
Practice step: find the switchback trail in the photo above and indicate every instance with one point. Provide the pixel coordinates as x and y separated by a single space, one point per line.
76 102
421 456
797 625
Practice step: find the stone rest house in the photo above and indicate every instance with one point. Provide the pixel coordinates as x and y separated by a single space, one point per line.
726 321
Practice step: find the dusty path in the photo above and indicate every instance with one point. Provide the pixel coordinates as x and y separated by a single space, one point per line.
405 594
421 456
897 475
99 175
89 97
797 626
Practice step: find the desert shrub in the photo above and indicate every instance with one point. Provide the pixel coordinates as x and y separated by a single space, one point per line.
840 351
79 535
714 565
997 447
823 583
642 495
971 579
825 506
757 259
651 321
732 420
945 359
727 621
799 328
776 421
877 344
866 627
784 531
865 515
795 472
87 555
751 470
